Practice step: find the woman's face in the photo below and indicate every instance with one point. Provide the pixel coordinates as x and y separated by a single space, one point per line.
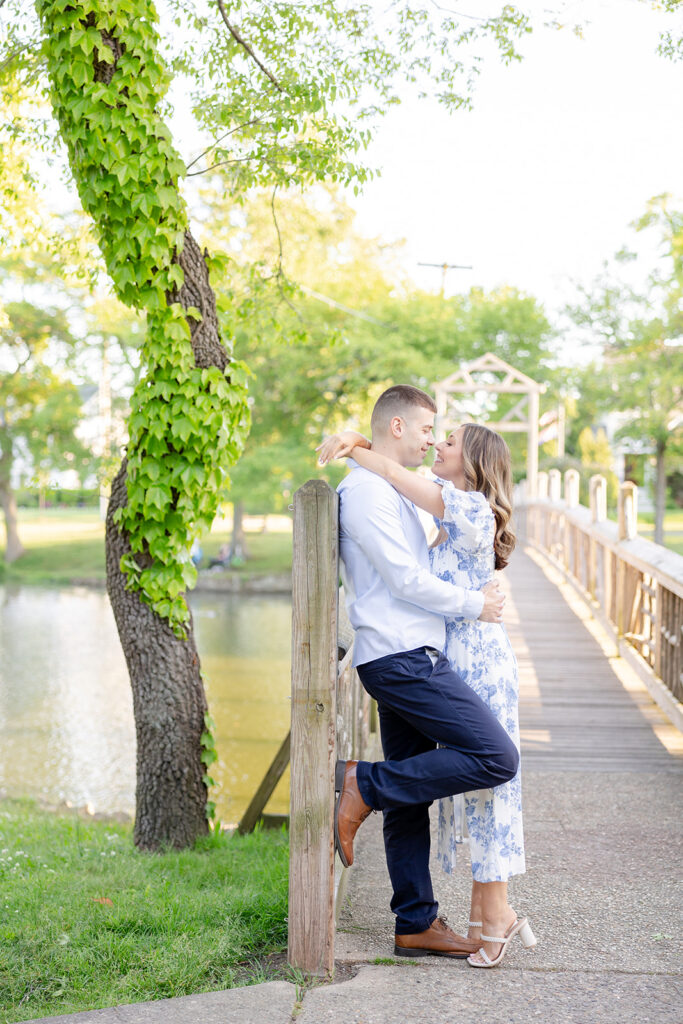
448 462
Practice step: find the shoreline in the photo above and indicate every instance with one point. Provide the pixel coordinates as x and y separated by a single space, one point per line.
207 582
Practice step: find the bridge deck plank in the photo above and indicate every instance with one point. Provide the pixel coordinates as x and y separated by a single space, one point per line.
575 712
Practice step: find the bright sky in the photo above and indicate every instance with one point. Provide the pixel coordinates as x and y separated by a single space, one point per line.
538 184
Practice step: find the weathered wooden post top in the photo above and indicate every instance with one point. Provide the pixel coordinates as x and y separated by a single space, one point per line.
492 375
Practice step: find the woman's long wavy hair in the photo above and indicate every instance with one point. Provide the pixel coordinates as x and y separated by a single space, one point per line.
488 468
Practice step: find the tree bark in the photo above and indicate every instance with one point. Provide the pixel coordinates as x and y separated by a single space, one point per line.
169 705
238 543
14 548
660 491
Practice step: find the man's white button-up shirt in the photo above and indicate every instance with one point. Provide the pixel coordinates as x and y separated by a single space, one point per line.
394 602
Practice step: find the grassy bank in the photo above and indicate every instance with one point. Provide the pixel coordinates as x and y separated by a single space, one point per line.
87 922
63 545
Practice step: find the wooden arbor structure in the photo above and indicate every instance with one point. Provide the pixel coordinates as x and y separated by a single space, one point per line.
491 375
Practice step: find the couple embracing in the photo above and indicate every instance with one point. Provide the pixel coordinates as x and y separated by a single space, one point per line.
431 650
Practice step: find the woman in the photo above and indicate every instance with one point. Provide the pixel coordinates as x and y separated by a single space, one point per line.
471 502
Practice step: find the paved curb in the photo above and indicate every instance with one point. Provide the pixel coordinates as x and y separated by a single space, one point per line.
270 1003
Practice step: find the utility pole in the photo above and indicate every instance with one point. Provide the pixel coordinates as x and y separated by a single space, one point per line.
444 268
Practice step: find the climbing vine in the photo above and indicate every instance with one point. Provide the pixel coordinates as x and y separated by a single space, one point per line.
189 414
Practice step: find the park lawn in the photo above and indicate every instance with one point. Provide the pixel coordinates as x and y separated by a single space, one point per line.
673 528
67 545
268 552
86 921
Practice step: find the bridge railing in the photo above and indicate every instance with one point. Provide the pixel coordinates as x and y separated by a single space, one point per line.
331 718
635 586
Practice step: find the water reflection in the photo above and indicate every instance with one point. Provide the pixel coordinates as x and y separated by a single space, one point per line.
66 720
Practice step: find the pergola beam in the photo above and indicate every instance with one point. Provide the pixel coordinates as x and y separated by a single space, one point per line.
514 382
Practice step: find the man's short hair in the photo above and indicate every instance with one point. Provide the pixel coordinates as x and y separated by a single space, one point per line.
398 401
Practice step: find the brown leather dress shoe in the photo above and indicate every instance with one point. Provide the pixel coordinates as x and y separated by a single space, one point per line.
438 940
350 810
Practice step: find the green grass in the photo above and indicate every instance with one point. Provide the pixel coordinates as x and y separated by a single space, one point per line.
67 545
268 552
673 518
177 923
673 528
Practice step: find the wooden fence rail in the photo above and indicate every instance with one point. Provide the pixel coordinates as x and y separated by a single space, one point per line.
635 585
331 718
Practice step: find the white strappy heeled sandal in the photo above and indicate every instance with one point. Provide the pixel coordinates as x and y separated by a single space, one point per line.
521 928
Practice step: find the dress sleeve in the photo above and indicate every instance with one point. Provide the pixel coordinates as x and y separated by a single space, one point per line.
467 518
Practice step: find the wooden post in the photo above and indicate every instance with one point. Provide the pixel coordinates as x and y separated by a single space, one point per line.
628 511
571 488
441 397
315 595
532 473
541 486
658 630
254 811
626 530
554 485
598 498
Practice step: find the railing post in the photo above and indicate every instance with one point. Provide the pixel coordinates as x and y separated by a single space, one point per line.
571 488
628 511
627 528
598 498
315 594
542 485
554 485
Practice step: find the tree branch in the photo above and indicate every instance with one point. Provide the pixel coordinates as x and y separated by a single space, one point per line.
213 145
245 45
221 163
458 14
277 229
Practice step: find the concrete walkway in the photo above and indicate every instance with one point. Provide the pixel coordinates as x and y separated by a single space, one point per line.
603 809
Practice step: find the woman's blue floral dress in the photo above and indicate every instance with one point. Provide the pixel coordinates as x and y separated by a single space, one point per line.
481 654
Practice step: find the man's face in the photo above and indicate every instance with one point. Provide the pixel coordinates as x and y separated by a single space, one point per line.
417 436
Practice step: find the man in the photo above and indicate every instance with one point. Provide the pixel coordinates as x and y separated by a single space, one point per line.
438 737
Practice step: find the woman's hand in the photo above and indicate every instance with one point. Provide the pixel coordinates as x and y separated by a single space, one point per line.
340 446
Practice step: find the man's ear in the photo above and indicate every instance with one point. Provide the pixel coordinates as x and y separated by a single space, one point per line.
396 426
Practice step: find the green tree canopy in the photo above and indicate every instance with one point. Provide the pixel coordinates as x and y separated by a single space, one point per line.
640 328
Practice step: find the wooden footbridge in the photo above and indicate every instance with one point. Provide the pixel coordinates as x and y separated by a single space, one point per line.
595 616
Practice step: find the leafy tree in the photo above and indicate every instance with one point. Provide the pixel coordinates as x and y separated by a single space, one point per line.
39 410
287 94
640 329
360 329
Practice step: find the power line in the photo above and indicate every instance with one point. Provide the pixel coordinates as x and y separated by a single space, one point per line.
444 268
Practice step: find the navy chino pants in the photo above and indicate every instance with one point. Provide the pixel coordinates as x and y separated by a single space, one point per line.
422 705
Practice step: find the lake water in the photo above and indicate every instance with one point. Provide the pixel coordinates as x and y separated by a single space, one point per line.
66 716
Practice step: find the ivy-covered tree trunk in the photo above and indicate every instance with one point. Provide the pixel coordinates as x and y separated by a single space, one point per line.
169 702
169 705
189 409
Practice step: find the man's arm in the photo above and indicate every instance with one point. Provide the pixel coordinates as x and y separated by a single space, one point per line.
381 536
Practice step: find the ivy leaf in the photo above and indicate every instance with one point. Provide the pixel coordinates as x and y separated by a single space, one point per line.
157 497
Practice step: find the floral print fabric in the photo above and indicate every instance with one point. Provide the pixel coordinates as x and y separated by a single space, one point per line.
481 653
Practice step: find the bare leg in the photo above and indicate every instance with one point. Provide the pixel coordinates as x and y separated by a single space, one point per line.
496 913
476 908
